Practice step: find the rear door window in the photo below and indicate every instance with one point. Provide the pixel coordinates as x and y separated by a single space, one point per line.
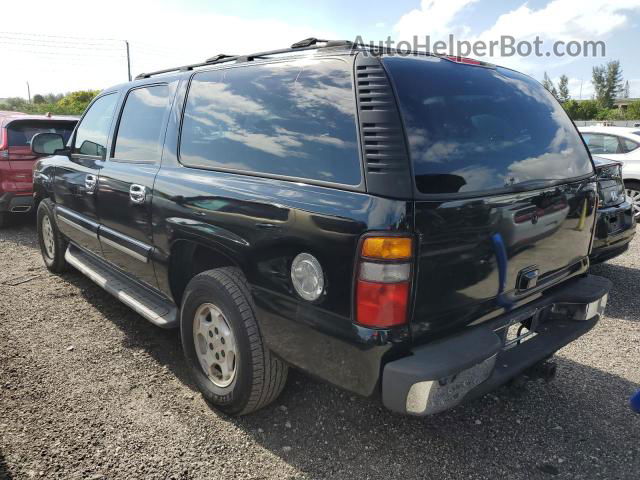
20 133
629 145
602 144
93 131
474 129
141 127
295 119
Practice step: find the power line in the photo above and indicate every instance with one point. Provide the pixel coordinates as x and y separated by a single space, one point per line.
63 36
49 45
63 54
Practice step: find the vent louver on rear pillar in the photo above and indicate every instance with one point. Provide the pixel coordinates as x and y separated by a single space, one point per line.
386 162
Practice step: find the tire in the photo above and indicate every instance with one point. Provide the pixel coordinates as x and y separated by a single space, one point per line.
632 189
257 377
52 244
4 219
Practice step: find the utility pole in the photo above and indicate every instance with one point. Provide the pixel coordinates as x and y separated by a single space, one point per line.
128 60
581 89
29 92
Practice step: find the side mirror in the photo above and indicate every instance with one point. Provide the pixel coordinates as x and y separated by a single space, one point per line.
47 143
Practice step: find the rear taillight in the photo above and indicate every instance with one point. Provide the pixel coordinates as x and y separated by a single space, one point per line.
4 143
383 281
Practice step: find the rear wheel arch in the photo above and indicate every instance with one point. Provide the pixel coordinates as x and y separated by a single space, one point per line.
189 258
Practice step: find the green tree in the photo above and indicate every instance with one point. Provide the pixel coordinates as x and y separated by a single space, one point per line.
15 104
633 110
587 110
548 84
607 82
563 89
75 103
572 108
53 97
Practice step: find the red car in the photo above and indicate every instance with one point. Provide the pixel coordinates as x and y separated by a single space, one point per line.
16 159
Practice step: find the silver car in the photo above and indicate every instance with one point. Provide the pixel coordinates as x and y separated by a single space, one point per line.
623 145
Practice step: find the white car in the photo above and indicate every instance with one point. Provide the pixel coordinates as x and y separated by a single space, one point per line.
621 144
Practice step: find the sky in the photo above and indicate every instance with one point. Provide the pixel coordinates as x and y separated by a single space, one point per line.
71 45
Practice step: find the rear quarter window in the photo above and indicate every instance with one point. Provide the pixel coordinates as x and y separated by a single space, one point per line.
294 119
473 129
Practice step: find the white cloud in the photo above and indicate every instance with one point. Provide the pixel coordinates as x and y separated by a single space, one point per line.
579 88
563 20
434 18
161 35
558 20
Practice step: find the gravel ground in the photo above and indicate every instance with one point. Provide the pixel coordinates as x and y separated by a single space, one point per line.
88 389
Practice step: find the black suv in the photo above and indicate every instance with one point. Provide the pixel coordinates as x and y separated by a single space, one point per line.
416 225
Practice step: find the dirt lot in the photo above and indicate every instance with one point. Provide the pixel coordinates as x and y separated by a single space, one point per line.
88 389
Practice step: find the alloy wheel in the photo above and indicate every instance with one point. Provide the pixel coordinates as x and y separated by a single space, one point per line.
634 198
215 345
48 237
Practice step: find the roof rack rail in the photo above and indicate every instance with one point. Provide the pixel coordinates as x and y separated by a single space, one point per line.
220 56
310 43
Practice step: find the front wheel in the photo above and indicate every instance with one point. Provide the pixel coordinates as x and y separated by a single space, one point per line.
223 346
632 189
52 244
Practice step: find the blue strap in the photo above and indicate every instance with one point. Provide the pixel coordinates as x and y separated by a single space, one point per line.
501 255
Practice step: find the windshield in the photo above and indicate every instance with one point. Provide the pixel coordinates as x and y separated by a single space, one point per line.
20 133
473 129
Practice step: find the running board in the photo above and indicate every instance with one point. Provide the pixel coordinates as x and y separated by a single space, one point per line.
151 306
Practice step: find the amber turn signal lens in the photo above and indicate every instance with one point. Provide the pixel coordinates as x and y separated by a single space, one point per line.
387 248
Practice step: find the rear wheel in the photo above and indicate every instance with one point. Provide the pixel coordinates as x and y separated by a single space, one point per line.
632 189
223 346
52 244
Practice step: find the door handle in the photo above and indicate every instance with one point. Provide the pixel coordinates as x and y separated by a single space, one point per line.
137 193
90 182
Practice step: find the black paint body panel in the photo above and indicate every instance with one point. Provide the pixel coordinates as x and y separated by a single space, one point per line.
260 224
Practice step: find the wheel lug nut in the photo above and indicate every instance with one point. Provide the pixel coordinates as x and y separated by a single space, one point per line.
223 353
222 340
211 334
215 330
211 346
217 357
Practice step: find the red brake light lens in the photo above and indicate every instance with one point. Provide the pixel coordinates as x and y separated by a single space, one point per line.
383 281
382 304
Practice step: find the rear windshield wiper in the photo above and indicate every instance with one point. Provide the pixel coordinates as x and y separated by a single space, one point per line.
531 185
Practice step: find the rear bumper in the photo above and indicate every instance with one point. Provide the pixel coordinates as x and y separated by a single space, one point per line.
615 228
442 374
16 203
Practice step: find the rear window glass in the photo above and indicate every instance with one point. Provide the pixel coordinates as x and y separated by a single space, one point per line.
20 133
473 129
295 119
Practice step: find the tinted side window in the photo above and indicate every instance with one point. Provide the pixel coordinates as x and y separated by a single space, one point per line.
599 143
93 131
295 119
139 136
629 145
